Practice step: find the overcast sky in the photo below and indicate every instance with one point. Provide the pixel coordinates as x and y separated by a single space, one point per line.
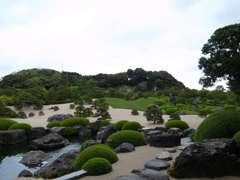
111 36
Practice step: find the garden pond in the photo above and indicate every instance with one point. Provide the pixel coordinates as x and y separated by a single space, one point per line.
11 155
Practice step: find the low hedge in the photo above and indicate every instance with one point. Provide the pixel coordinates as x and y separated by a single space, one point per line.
53 124
132 125
177 124
24 126
92 152
70 122
97 166
118 125
129 136
6 123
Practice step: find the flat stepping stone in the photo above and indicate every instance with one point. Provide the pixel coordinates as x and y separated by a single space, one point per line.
181 147
73 176
150 174
129 178
165 155
156 164
170 150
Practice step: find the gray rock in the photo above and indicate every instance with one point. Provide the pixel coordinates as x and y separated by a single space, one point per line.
170 150
49 141
215 158
94 126
56 130
36 133
175 131
34 158
186 140
156 164
188 131
125 147
63 163
59 117
105 133
182 147
12 136
129 178
164 140
85 132
153 175
25 173
164 156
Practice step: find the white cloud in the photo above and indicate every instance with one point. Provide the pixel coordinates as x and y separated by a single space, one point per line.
20 10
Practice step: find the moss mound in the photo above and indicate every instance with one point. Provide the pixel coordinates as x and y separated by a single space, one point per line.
236 137
92 152
24 126
221 124
177 124
6 123
70 122
118 125
97 166
129 136
104 123
132 125
170 111
53 124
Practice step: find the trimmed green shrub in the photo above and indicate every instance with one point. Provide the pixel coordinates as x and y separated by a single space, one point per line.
132 125
7 112
68 131
127 136
220 124
55 108
203 113
84 143
94 144
6 123
229 107
104 123
24 126
177 124
175 116
97 166
171 111
41 113
134 112
71 106
22 115
236 137
70 122
31 114
181 106
118 125
160 101
53 124
164 107
92 152
191 136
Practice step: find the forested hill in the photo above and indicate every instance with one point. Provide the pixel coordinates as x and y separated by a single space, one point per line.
139 78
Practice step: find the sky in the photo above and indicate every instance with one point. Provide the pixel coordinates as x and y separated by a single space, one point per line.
111 36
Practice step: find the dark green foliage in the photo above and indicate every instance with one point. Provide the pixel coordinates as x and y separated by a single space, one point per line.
53 124
154 115
6 123
41 113
221 124
104 123
170 111
132 125
175 116
31 114
7 112
97 166
134 112
92 152
24 126
84 143
81 111
203 113
164 107
177 124
71 106
236 137
160 101
55 108
120 124
70 122
172 173
229 107
129 136
68 131
22 115
102 113
191 135
53 176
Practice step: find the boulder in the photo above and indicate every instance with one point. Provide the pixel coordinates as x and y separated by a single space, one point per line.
56 130
150 174
49 141
25 173
125 147
164 140
85 132
210 158
156 164
187 131
59 117
165 155
105 133
36 133
12 136
63 163
129 178
170 150
94 126
34 158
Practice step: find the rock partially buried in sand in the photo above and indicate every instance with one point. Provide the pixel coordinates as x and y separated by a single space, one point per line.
164 156
156 164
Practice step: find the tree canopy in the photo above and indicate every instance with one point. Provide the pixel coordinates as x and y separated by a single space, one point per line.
221 60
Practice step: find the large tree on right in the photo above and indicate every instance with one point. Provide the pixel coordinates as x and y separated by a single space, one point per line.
221 60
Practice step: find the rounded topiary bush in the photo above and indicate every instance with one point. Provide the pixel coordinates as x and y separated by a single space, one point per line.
177 124
92 152
203 113
22 115
229 107
118 125
97 166
6 123
171 111
134 112
24 126
53 124
127 136
104 123
236 137
41 113
132 125
70 122
220 124
31 114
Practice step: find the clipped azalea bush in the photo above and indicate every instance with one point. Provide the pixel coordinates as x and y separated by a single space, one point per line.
132 125
93 144
53 124
97 166
127 136
6 123
118 125
104 123
220 124
236 137
134 112
177 124
203 113
72 121
228 106
24 126
92 152
171 111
